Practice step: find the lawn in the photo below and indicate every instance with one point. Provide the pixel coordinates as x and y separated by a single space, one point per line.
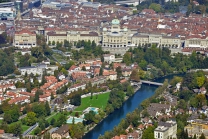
24 128
56 116
100 102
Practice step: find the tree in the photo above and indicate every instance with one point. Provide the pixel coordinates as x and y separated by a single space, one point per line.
47 108
39 109
143 64
30 118
148 133
6 63
68 65
127 58
200 81
135 75
89 117
84 68
53 43
119 71
16 129
37 94
7 118
53 121
101 71
102 58
37 131
202 136
156 7
175 80
36 52
130 90
61 120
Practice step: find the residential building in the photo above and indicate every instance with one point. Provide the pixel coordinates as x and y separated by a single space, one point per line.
62 132
25 39
197 128
110 75
75 87
109 58
73 68
166 130
133 135
156 109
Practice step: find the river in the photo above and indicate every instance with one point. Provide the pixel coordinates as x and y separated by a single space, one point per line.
130 105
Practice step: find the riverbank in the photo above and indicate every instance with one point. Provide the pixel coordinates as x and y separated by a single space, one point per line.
134 116
145 92
141 93
126 98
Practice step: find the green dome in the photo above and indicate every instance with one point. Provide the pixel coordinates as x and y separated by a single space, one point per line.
115 22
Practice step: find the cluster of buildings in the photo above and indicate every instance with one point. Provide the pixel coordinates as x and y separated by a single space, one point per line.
8 90
113 27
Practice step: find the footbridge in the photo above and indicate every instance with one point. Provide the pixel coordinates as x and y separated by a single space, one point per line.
151 83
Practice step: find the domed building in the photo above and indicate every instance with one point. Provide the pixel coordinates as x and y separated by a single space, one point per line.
115 38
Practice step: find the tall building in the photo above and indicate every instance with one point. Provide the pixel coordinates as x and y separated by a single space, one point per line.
166 130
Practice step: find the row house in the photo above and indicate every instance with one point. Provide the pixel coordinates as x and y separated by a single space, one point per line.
46 85
19 100
27 94
59 85
51 79
4 87
76 87
50 92
45 97
11 95
34 90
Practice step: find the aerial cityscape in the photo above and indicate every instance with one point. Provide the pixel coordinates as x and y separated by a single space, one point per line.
104 69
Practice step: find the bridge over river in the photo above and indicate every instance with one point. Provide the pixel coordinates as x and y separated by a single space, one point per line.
151 83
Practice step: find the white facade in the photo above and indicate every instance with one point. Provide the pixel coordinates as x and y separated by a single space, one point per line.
109 58
75 88
29 70
166 130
